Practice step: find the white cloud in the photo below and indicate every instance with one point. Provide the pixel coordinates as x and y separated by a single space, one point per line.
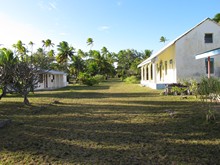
53 5
103 28
47 6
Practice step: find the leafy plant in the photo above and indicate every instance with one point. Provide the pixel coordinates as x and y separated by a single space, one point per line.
209 89
132 80
193 87
86 79
176 90
99 78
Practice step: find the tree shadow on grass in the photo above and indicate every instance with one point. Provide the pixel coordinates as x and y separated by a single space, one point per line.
83 87
91 95
117 134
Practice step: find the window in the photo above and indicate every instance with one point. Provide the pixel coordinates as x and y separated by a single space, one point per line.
41 78
165 67
208 38
171 64
52 78
211 65
147 74
151 74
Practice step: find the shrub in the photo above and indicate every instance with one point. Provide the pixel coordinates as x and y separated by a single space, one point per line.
86 79
132 80
209 90
99 78
90 81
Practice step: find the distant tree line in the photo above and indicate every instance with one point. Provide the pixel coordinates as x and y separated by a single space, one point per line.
20 67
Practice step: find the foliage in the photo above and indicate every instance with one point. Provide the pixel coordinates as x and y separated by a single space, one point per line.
7 64
217 18
99 78
25 79
176 90
193 87
208 86
208 89
128 61
132 80
41 60
88 80
92 63
90 42
64 52
19 72
163 39
76 66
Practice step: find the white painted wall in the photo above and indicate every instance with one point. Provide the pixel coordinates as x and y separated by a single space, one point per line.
53 81
193 43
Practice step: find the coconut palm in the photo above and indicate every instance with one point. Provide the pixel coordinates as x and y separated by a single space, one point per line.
163 39
77 65
64 52
31 45
20 50
81 54
48 44
19 47
147 53
90 42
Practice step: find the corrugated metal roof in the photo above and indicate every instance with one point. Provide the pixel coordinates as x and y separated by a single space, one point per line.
171 43
54 72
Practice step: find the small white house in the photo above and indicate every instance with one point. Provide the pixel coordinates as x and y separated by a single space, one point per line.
176 61
52 79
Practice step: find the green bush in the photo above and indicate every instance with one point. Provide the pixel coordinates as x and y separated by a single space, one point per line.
209 90
86 79
90 81
99 78
132 80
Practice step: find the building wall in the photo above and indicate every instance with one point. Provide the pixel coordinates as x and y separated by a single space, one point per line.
166 60
193 43
53 81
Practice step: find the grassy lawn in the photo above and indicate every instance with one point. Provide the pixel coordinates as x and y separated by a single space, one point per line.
112 123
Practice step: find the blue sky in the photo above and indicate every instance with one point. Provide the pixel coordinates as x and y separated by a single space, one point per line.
115 24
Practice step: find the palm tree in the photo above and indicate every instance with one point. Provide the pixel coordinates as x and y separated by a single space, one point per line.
77 65
81 54
217 18
163 39
51 53
107 55
147 53
44 42
48 44
20 50
64 52
40 50
90 42
31 45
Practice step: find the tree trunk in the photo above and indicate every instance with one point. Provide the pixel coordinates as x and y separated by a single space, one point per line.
26 101
3 92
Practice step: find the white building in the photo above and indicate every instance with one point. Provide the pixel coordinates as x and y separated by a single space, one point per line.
176 61
52 79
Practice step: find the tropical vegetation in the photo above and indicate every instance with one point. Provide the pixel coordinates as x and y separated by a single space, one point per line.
81 66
